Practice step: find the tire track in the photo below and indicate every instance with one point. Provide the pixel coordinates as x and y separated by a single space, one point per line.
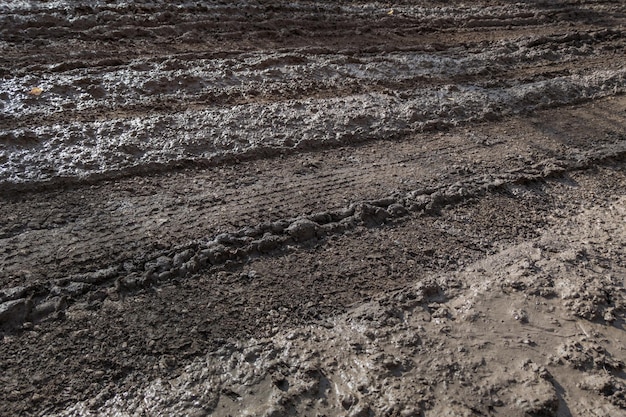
192 172
37 300
120 225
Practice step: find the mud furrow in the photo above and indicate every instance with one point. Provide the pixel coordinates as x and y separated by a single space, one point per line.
492 77
18 61
80 18
220 81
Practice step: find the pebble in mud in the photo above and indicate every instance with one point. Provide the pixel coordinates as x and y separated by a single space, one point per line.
520 315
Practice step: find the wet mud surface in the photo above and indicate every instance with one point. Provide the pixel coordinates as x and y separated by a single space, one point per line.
312 208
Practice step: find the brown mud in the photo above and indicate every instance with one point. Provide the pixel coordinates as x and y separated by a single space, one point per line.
312 208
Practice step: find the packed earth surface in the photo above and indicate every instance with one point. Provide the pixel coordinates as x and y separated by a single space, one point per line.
313 208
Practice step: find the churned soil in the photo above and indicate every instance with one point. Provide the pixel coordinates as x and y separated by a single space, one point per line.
312 208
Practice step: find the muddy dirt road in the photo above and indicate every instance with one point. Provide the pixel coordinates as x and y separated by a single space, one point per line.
312 208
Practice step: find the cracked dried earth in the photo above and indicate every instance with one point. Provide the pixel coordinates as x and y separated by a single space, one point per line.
312 208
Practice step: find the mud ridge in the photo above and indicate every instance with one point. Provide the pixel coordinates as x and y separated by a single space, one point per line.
416 335
35 302
182 79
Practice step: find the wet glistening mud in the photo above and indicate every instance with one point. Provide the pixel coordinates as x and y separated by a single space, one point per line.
312 208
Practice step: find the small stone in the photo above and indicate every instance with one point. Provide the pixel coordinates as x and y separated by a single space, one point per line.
520 315
609 315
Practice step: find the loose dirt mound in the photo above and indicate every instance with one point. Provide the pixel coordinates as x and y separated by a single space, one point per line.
312 208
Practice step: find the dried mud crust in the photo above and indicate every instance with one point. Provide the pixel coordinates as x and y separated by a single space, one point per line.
308 208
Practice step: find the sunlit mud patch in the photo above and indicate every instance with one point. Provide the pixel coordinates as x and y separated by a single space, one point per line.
196 79
142 144
500 338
